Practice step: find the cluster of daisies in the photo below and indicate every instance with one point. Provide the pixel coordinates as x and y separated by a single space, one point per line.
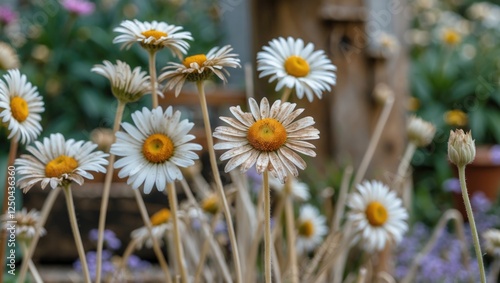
269 137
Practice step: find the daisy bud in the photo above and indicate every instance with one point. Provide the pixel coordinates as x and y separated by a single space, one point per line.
461 148
420 132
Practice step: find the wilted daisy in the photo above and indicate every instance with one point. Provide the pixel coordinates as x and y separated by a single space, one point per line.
153 149
20 107
200 67
160 222
153 36
492 242
420 132
376 215
298 190
267 137
296 67
25 223
59 162
126 85
8 57
311 228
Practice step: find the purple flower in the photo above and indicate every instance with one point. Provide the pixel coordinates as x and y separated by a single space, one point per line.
7 15
135 263
79 7
495 154
107 266
110 239
452 185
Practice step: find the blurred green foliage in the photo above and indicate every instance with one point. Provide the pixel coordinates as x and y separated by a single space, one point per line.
57 49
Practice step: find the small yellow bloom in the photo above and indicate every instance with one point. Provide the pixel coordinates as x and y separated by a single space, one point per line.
456 118
451 37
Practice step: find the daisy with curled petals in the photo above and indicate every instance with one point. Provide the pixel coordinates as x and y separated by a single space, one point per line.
153 149
160 222
268 136
296 189
26 223
20 107
127 85
311 228
376 215
296 66
200 67
59 162
153 36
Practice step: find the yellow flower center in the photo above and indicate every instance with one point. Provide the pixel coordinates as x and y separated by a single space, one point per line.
376 213
296 66
198 59
210 204
267 135
456 118
306 228
451 37
158 148
60 165
19 108
160 217
154 33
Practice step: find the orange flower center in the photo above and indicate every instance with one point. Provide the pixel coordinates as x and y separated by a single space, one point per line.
154 33
160 217
376 213
158 148
60 165
198 59
451 37
19 108
306 229
210 204
267 135
296 66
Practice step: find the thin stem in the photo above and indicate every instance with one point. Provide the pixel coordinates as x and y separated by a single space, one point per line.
152 77
403 166
389 102
179 253
126 254
105 194
31 265
216 174
341 201
286 94
267 226
156 246
76 232
47 207
3 233
472 223
204 251
290 231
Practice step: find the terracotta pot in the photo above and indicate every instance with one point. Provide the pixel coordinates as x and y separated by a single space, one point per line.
482 175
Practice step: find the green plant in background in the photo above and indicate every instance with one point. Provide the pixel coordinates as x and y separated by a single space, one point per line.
454 78
58 42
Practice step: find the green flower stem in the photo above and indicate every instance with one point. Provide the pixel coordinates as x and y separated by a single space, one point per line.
286 94
47 207
152 77
179 253
267 227
470 216
156 246
105 194
76 233
220 189
3 233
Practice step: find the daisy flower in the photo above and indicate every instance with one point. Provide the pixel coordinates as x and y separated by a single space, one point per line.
420 132
153 36
311 228
8 57
210 204
377 216
20 107
267 137
492 242
160 222
26 223
299 190
296 67
200 67
127 85
153 149
59 162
